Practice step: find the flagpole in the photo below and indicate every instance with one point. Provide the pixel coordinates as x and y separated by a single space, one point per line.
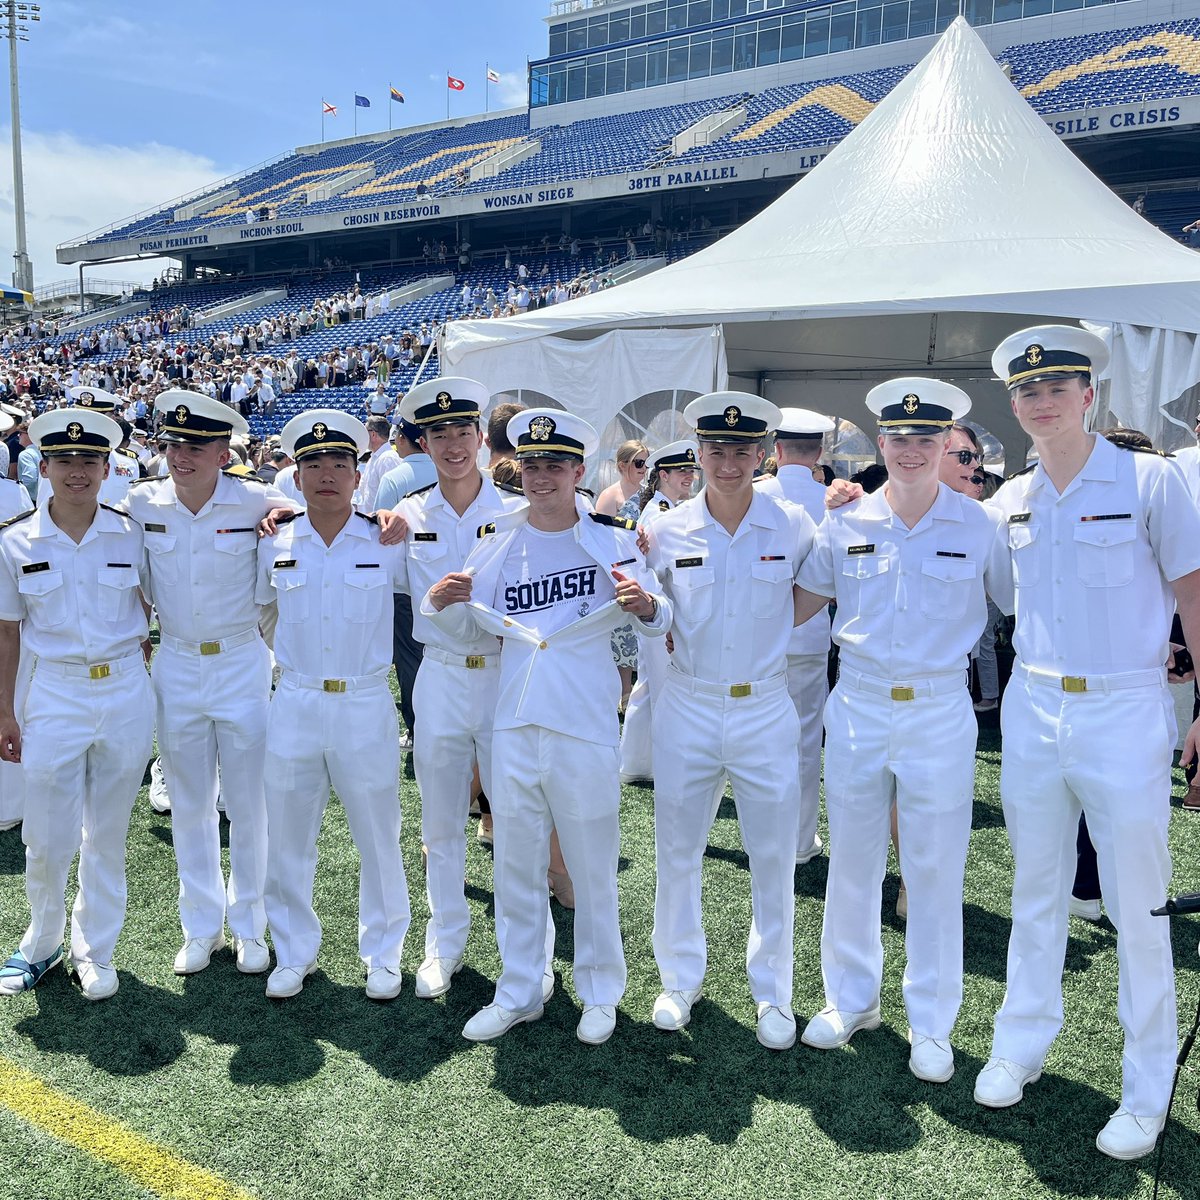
487 87
322 118
447 93
356 114
390 103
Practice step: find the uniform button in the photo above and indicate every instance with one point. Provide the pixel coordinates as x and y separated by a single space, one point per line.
542 646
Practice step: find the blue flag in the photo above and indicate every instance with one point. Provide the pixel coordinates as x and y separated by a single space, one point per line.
362 101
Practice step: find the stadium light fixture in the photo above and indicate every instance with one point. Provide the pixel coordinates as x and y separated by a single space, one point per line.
15 14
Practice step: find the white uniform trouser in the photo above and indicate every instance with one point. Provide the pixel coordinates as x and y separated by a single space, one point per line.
808 686
213 709
1108 753
85 745
456 708
637 734
351 741
12 777
698 739
541 781
921 754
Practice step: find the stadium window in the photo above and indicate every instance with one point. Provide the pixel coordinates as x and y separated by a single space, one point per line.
737 8
618 29
615 84
539 91
699 12
677 60
720 10
558 84
841 28
1037 8
722 53
744 49
676 17
979 12
656 18
558 40
895 22
867 23
921 17
597 33
816 34
576 35
637 23
1006 10
792 44
1064 5
656 65
595 75
768 42
700 56
576 82
635 71
1095 3
947 10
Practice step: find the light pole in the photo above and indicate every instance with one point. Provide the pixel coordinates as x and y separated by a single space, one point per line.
14 14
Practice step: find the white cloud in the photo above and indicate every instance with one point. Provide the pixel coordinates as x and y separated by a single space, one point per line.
73 188
512 91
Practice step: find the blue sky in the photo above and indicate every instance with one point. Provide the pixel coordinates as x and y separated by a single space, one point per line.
125 106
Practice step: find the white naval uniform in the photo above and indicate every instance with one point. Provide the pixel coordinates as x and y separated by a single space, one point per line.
1092 568
900 727
212 684
725 710
86 722
455 697
332 722
14 499
554 765
808 661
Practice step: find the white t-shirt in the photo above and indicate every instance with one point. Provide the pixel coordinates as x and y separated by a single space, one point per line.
550 580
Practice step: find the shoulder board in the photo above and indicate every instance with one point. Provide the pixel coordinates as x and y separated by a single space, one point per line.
148 479
237 471
586 492
19 517
421 490
367 517
615 522
509 488
664 506
1143 449
122 513
1023 471
125 450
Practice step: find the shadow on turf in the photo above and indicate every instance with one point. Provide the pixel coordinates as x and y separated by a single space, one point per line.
12 852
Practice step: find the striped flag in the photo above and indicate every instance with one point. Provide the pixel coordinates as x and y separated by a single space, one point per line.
493 76
396 95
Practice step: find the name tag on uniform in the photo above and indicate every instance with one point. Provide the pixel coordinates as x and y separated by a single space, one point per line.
772 557
281 563
1019 518
425 537
625 562
152 528
34 568
366 566
120 564
1109 517
689 562
869 548
949 554
228 530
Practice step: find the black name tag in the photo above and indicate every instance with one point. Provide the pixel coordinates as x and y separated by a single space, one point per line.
625 562
249 530
1109 517
366 566
949 554
281 563
151 528
120 564
1019 519
425 537
869 548
689 562
34 568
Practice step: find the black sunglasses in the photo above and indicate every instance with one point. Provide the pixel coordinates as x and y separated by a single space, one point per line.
966 456
639 463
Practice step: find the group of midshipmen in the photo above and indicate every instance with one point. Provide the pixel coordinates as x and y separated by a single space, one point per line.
515 594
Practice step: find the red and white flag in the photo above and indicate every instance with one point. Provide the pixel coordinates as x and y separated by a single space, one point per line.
327 109
493 76
455 85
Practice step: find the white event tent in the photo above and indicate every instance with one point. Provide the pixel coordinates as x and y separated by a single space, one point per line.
948 218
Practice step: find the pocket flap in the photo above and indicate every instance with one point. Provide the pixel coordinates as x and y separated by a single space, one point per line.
1105 533
865 566
365 579
39 584
118 577
692 577
949 570
286 580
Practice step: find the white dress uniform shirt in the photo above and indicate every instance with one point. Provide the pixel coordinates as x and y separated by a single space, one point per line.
911 602
1188 461
382 461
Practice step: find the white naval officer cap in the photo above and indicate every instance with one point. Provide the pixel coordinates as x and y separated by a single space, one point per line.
323 431
675 456
1049 352
62 431
97 399
739 417
195 417
914 404
803 423
452 398
551 433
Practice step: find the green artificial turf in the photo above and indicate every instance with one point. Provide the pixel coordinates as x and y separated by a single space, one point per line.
330 1096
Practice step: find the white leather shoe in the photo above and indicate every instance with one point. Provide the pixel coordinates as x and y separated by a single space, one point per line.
253 957
776 1027
1086 910
434 976
830 1028
284 982
98 980
930 1059
384 983
803 856
597 1023
1001 1083
494 1021
160 800
196 953
1129 1136
547 985
673 1010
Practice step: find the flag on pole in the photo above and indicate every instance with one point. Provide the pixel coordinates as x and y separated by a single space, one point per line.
327 108
493 76
397 95
455 85
361 101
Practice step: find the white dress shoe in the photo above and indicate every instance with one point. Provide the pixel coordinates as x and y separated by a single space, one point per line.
384 983
284 982
931 1059
253 957
673 1010
195 954
1001 1083
1129 1136
98 980
434 976
547 985
160 801
494 1021
776 1027
1087 910
597 1023
803 856
830 1028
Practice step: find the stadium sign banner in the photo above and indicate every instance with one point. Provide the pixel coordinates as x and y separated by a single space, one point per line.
1124 118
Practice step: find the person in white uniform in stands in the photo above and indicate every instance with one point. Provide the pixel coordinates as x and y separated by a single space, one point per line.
671 472
799 441
553 587
69 579
458 681
728 561
1105 542
212 673
332 721
910 567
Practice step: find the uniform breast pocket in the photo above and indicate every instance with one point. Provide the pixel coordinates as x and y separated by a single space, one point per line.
1104 552
45 596
164 562
770 588
1023 544
692 591
865 581
363 596
291 593
946 587
117 593
235 558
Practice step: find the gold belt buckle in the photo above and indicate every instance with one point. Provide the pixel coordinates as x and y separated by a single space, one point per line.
210 647
1074 683
904 693
740 689
476 662
100 671
334 685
